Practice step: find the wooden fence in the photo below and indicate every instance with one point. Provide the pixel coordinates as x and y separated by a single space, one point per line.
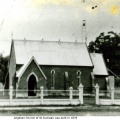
109 100
42 100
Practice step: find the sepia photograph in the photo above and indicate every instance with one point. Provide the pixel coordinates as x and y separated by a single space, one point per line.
59 59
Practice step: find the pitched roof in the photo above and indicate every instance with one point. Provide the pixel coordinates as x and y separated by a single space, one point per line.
52 53
99 64
26 64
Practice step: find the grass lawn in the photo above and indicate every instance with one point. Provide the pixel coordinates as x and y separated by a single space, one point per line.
74 111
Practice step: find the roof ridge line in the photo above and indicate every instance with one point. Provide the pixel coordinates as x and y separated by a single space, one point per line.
48 41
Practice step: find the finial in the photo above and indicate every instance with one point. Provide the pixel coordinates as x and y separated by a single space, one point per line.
42 40
59 41
12 35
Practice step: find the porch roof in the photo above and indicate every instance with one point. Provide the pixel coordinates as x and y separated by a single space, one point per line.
24 67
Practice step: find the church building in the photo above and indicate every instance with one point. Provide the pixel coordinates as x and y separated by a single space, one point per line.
55 65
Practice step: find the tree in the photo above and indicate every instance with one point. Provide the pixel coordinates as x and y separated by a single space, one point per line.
3 68
109 46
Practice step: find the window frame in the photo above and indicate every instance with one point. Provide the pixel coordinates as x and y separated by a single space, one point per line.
52 79
78 76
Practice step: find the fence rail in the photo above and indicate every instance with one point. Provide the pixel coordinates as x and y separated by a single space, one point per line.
58 97
42 97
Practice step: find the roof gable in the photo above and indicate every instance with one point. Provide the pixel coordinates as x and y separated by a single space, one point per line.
99 64
24 67
52 53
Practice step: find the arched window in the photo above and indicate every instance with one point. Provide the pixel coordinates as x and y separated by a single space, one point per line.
66 84
79 77
52 79
93 79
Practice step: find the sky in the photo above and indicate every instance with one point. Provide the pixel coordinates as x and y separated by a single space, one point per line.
52 20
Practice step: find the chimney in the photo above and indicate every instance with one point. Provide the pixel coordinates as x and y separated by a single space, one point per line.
84 33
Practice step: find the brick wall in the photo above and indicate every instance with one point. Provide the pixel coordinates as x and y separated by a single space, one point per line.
59 76
72 76
32 68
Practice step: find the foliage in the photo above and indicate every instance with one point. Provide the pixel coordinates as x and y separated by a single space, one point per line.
109 46
3 68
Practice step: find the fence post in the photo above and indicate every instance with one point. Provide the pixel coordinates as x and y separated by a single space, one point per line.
112 95
71 95
81 93
41 94
11 94
97 94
